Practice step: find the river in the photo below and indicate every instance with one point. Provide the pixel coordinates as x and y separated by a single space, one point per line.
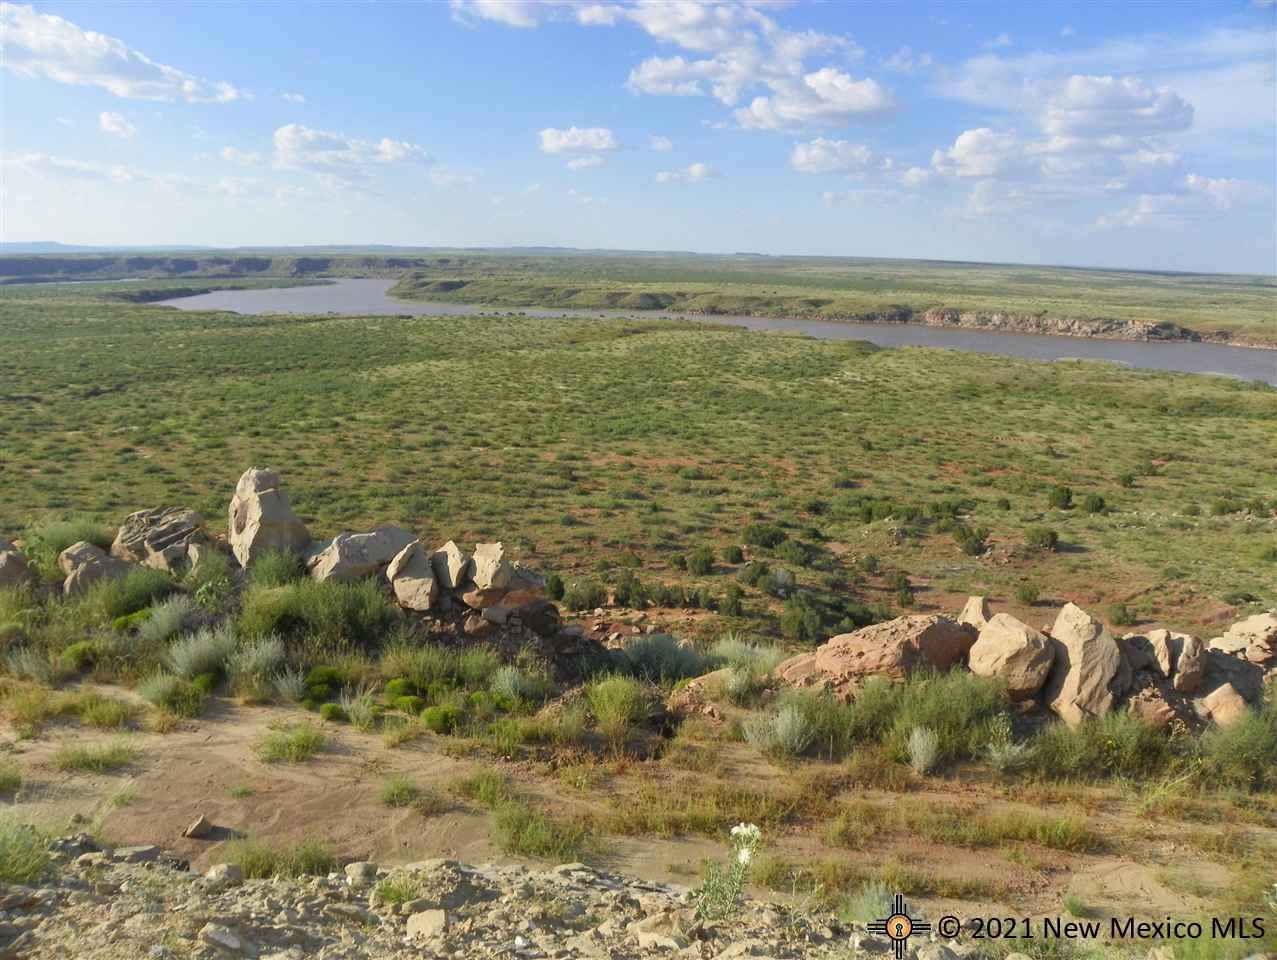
368 298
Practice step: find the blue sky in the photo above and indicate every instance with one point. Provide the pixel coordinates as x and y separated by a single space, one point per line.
1138 135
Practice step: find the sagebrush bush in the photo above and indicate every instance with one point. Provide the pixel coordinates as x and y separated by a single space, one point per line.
924 749
1041 538
167 619
735 651
207 651
275 568
290 684
765 535
788 732
28 663
585 595
700 561
618 703
117 597
1116 745
254 667
660 658
512 684
1244 754
360 708
172 693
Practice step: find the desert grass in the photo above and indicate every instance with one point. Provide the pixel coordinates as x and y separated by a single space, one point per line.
96 758
292 743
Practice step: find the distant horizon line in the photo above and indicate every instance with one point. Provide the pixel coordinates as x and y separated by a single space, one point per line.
57 247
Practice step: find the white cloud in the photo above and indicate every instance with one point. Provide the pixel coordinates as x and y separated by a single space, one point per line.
694 173
1089 106
1067 30
660 143
824 156
512 13
585 162
826 97
339 160
1001 40
577 139
1223 193
293 97
915 176
48 46
905 60
980 153
115 124
244 157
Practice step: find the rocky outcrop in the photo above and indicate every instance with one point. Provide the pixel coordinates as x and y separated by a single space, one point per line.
1101 328
354 556
1089 672
1179 657
412 577
891 649
13 566
1014 653
159 538
1225 705
975 613
451 565
261 518
490 576
84 564
1253 639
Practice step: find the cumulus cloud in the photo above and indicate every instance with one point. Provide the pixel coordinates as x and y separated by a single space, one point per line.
660 143
905 60
244 157
50 47
823 98
115 124
338 159
577 139
915 176
1223 193
512 13
694 173
123 175
825 156
981 152
1089 106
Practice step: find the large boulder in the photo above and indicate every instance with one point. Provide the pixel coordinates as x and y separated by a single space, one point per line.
452 565
1013 652
491 575
975 613
353 556
1253 639
13 566
412 577
1225 705
159 538
84 564
891 649
1180 657
261 519
1089 672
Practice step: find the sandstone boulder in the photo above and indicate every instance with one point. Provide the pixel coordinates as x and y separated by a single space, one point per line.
13 566
1179 656
412 577
1225 705
84 564
452 565
158 538
1089 672
892 649
1253 639
1137 652
1013 652
976 613
261 519
1152 707
353 556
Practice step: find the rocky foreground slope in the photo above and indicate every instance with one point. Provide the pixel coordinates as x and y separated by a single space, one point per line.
137 903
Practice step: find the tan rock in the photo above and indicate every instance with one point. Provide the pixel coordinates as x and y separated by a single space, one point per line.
1180 656
158 538
1151 706
1013 652
427 923
1253 639
491 570
84 564
261 519
1225 705
1089 672
412 577
892 649
354 556
477 599
14 571
976 613
452 565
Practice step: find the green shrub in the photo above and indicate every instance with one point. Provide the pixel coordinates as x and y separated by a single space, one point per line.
400 687
28 663
257 861
205 651
43 542
512 685
491 788
95 758
788 732
1244 754
167 618
206 683
10 778
733 602
1116 745
1028 594
275 568
410 705
766 535
1119 615
554 588
104 713
24 854
700 561
734 554
585 595
1060 497
801 621
797 553
617 704
398 792
476 665
1093 503
442 718
520 830
329 612
332 712
1041 538
294 743
172 694
253 668
79 655
140 587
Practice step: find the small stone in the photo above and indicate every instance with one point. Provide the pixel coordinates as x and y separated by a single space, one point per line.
144 853
361 873
427 923
225 873
223 937
201 828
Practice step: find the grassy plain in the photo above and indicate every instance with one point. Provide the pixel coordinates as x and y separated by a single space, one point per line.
620 447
